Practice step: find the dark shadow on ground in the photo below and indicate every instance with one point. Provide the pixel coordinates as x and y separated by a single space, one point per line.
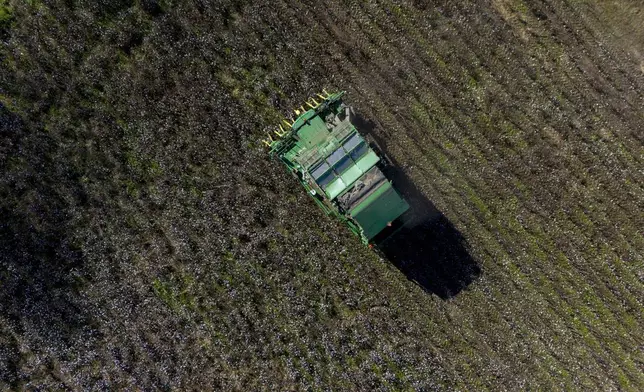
39 284
428 249
39 300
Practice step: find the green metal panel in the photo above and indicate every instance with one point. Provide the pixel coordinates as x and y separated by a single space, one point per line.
335 188
372 197
313 133
351 174
382 207
322 141
367 161
301 120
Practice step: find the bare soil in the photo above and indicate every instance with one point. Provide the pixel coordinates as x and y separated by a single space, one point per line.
147 242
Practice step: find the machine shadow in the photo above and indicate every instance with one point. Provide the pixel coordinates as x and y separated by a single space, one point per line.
428 249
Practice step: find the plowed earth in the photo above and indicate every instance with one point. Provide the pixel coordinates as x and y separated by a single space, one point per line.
147 241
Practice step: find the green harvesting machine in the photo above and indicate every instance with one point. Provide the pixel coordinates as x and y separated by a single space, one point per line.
339 168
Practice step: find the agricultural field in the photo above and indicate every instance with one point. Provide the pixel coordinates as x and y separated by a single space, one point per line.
147 241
